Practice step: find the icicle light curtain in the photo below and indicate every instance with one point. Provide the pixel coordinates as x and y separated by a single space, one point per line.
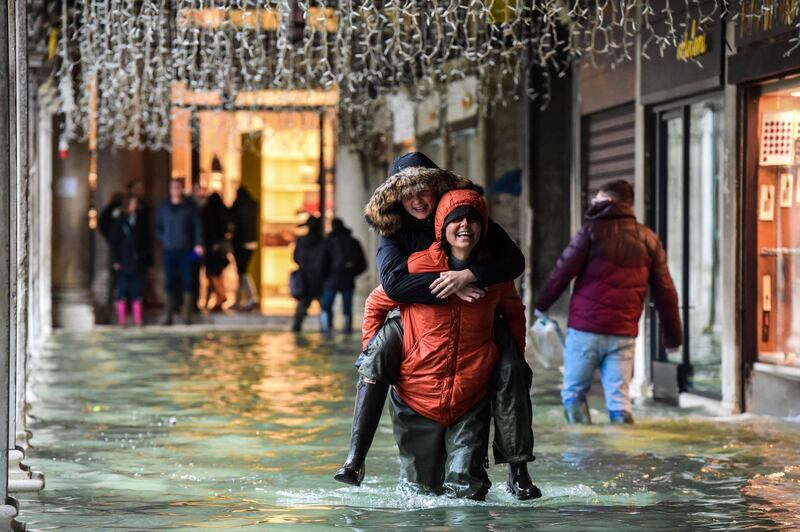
146 54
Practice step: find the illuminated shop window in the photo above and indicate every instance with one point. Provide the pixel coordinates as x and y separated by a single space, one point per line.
779 225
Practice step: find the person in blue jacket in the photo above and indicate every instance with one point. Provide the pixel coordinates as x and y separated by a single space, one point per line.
180 232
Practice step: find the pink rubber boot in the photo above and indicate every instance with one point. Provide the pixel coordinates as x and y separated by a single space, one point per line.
121 312
137 312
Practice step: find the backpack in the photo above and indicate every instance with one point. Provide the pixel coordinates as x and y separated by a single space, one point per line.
355 262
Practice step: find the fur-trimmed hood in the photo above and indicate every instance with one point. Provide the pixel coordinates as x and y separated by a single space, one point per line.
384 211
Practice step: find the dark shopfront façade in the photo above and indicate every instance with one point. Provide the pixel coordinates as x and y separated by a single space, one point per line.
685 124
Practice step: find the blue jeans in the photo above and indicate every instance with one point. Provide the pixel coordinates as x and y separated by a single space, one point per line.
178 270
129 286
613 355
328 296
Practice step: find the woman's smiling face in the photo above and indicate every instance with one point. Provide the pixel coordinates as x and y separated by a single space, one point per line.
420 205
463 234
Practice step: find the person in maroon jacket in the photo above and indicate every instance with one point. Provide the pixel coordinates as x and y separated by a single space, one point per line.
613 259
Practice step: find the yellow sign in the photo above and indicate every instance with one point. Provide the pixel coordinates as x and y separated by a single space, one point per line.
693 45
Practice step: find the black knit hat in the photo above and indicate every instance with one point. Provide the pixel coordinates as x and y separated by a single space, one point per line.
459 212
409 160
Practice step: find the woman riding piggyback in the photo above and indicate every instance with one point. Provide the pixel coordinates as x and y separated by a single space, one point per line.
439 405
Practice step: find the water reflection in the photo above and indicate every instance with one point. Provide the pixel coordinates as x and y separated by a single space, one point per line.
284 393
226 431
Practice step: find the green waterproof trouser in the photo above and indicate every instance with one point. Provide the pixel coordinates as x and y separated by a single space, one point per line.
435 459
510 397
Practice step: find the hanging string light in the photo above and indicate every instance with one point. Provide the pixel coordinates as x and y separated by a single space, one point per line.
148 55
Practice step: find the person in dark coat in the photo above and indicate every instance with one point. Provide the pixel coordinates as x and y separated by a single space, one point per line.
245 242
614 260
347 262
105 223
216 232
401 210
180 232
136 188
108 216
131 256
199 196
311 257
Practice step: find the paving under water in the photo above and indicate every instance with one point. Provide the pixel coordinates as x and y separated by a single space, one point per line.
148 431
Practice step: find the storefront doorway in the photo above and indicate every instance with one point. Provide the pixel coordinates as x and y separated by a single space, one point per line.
284 157
685 210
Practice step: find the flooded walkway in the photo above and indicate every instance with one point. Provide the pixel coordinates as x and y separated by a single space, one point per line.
146 431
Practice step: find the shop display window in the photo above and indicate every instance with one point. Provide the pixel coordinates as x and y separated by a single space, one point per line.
778 196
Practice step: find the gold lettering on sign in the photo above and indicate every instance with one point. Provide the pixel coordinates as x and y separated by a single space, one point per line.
692 45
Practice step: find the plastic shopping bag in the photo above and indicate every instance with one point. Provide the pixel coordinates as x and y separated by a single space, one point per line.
548 342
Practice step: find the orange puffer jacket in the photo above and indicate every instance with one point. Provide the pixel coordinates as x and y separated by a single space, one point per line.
448 349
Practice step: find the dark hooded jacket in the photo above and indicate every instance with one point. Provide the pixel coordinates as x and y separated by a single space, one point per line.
245 218
130 243
216 225
108 217
614 259
216 219
310 254
448 349
346 258
401 235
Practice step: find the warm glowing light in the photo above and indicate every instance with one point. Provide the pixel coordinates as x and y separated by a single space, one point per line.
796 94
269 19
289 98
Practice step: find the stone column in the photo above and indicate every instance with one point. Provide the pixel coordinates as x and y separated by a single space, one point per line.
20 476
40 179
72 300
42 216
732 400
8 509
32 328
14 208
350 196
39 307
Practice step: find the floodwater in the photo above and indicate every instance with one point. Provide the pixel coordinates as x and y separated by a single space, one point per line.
147 431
